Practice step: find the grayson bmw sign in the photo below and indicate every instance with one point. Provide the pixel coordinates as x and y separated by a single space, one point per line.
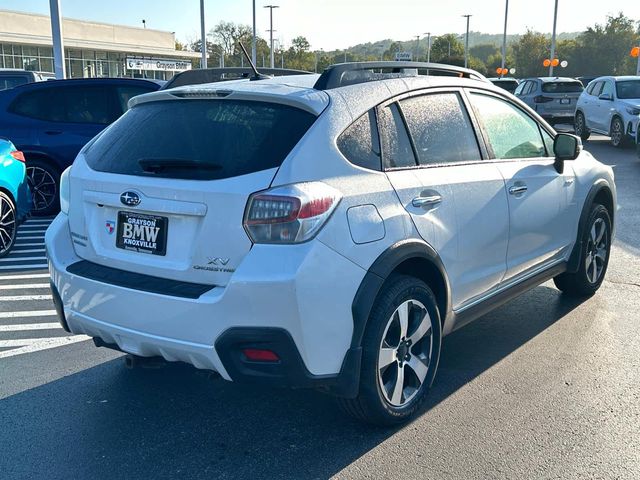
130 199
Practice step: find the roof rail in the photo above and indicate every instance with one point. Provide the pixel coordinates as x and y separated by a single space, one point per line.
212 75
342 74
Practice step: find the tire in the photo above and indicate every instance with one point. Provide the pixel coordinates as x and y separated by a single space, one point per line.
380 401
8 224
594 258
44 181
617 133
580 127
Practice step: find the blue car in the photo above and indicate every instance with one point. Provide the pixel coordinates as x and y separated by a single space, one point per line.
15 198
51 121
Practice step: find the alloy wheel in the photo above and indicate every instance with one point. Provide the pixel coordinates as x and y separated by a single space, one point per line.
43 188
405 353
616 132
597 247
7 225
579 125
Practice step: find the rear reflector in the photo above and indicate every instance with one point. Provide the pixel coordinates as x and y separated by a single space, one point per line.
18 155
257 355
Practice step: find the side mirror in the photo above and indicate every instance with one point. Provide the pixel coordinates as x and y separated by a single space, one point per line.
605 96
565 147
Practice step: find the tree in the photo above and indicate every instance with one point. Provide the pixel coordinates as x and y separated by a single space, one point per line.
298 55
529 52
446 47
484 51
604 49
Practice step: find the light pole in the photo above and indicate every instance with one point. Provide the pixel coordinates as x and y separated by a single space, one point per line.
253 37
504 36
428 34
203 46
56 36
417 46
271 7
466 43
553 39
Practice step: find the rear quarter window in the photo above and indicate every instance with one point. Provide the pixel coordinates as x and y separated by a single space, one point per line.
360 143
199 139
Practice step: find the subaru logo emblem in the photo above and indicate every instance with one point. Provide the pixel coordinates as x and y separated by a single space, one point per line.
130 199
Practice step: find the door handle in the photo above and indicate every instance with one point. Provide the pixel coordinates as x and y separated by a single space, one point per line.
429 201
517 189
52 132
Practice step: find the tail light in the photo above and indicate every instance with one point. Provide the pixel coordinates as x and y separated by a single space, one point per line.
542 99
289 214
18 155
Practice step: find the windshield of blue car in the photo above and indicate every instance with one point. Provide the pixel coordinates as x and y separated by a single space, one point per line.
628 89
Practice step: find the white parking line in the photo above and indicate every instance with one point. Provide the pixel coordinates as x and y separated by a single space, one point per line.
18 259
31 250
24 277
24 298
29 326
26 285
24 267
29 313
29 345
20 237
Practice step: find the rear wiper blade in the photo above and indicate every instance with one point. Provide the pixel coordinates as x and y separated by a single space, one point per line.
156 165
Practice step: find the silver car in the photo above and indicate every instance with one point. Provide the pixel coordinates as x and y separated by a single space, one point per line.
610 106
554 98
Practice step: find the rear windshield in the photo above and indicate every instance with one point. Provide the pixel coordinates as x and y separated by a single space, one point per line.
199 139
628 89
562 87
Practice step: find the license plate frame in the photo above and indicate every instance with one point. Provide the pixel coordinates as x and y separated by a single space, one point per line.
142 236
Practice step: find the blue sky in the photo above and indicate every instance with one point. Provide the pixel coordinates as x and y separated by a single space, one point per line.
333 24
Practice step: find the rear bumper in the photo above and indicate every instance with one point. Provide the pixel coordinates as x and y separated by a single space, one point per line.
302 293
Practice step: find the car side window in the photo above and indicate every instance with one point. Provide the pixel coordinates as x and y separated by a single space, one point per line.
597 88
127 92
530 88
360 144
433 121
66 105
520 88
511 132
548 142
396 146
88 104
607 89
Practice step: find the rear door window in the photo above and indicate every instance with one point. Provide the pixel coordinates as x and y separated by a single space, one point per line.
397 151
84 104
510 131
607 88
199 139
441 129
360 143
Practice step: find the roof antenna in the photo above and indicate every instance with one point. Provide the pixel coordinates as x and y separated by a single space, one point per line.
256 74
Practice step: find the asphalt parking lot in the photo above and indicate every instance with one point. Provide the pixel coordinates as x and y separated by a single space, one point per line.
544 387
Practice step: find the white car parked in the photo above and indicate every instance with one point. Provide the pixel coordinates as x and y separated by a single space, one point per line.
323 231
610 106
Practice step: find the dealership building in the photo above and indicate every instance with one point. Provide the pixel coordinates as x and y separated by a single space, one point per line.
91 49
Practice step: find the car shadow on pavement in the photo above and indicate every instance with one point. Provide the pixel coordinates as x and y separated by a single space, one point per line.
174 422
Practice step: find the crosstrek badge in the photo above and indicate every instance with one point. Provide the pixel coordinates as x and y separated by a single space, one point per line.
110 225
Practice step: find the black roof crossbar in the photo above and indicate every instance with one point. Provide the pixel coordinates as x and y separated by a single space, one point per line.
212 75
342 74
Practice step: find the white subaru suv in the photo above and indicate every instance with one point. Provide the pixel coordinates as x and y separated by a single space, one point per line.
323 231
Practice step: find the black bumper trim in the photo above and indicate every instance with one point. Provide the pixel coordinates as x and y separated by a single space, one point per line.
137 281
290 371
57 302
